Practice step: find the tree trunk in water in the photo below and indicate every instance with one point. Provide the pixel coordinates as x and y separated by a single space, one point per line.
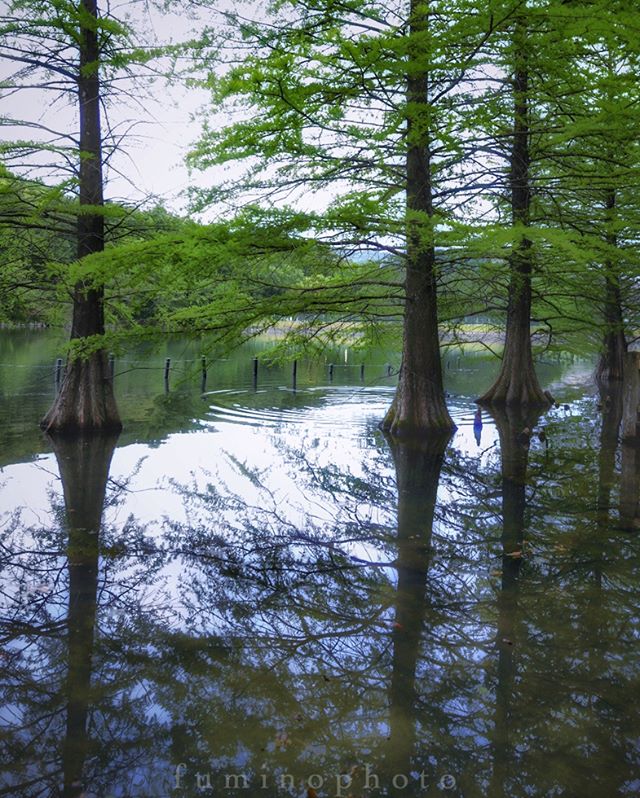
419 407
86 400
614 344
517 383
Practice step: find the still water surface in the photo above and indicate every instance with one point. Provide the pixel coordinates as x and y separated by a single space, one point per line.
252 592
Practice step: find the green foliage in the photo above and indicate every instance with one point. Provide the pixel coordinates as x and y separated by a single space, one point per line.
320 118
318 130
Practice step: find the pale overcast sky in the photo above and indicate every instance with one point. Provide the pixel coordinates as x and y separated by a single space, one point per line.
161 124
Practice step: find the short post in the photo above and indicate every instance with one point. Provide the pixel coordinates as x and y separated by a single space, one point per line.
362 371
255 373
58 373
167 366
112 365
294 374
203 364
331 372
389 369
631 396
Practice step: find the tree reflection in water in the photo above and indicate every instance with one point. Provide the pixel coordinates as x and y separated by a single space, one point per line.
73 717
84 469
418 467
428 614
514 428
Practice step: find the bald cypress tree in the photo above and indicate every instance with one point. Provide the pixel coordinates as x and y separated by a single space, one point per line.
66 53
355 115
517 383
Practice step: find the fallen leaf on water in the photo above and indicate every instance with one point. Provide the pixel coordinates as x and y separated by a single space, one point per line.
507 641
311 793
514 554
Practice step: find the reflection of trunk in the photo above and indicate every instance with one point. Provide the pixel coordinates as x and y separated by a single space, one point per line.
517 383
614 343
419 405
86 400
84 468
514 448
611 400
417 474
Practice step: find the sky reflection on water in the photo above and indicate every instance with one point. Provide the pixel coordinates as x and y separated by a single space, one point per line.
275 589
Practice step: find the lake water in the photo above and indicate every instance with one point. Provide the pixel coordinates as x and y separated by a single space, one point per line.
251 592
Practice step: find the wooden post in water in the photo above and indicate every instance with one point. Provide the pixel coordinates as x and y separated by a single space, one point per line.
331 372
203 386
167 366
389 369
255 373
362 371
294 374
631 396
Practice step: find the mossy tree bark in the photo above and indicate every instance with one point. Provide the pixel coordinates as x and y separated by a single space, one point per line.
419 407
614 343
517 383
86 401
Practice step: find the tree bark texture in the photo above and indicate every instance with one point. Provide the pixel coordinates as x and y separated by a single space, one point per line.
614 343
517 383
86 401
631 398
419 406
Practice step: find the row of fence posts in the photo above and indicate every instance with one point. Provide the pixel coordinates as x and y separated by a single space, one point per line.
59 372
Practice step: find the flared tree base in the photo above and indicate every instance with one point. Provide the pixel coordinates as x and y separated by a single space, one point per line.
86 402
611 363
516 390
416 416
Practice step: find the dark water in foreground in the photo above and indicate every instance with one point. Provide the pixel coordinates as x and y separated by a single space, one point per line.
251 593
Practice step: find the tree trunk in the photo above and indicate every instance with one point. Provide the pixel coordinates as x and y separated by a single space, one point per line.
614 343
517 383
419 406
86 400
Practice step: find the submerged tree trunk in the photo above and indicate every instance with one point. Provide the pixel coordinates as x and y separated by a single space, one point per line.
614 343
517 383
419 406
86 400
